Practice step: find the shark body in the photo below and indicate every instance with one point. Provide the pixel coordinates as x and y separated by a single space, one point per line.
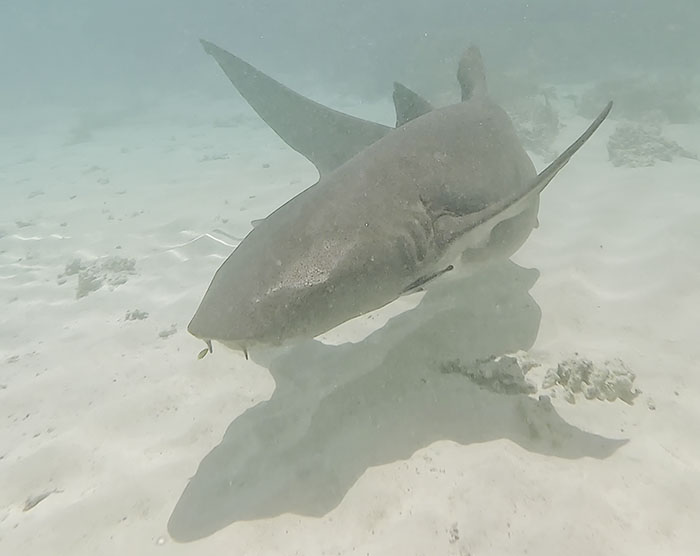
393 209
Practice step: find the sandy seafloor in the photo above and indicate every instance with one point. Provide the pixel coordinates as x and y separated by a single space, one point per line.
363 448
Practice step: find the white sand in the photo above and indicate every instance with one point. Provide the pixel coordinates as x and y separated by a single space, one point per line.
384 454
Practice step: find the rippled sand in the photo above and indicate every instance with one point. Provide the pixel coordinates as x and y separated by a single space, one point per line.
361 448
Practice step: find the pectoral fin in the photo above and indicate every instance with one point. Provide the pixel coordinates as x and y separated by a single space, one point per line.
477 226
326 137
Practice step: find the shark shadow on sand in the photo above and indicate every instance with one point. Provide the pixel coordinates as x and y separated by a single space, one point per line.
338 410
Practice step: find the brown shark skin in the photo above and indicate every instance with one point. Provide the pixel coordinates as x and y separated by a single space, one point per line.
452 183
352 242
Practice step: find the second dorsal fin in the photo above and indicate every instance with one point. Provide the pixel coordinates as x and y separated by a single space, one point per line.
409 105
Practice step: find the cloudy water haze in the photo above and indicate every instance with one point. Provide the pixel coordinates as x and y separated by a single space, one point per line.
323 304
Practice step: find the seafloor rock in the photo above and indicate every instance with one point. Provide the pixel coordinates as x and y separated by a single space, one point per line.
136 314
637 145
573 378
110 271
504 374
608 381
167 332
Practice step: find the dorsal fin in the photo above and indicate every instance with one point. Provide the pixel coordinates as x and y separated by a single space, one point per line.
409 105
326 137
471 74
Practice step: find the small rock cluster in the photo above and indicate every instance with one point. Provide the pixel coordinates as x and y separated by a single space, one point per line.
135 314
110 271
638 145
574 378
609 381
503 375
